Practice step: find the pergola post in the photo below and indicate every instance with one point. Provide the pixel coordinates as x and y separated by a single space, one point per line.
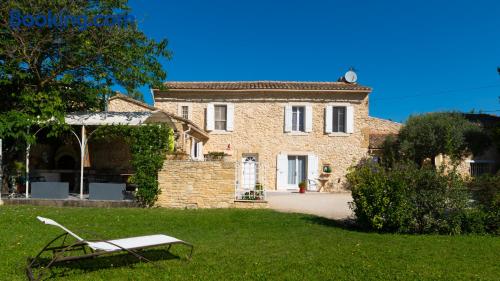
27 180
28 147
82 159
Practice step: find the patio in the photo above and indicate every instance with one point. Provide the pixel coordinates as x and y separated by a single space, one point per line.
78 167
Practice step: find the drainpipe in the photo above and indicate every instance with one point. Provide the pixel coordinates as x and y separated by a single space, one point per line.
185 136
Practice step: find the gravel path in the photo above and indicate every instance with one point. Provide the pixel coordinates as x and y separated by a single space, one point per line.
328 205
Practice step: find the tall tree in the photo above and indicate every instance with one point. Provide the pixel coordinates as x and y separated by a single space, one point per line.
47 71
429 135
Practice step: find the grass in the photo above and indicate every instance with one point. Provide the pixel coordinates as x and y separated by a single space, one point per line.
236 244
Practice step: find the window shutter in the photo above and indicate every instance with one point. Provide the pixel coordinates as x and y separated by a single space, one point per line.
312 171
328 119
349 119
281 171
288 118
230 117
179 110
200 150
309 117
210 117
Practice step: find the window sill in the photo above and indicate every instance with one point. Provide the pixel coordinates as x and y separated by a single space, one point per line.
297 133
339 134
219 132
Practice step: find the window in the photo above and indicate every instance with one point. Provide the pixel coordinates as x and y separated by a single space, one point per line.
185 112
477 169
296 169
196 150
339 120
220 117
298 116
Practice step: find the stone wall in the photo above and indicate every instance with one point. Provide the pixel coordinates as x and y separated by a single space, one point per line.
259 128
197 184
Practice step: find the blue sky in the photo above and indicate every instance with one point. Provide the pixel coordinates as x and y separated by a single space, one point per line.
418 56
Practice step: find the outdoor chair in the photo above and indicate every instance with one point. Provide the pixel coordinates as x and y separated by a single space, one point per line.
90 249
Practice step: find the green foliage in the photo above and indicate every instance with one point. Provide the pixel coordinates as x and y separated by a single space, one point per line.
148 146
486 193
429 135
47 72
407 199
170 140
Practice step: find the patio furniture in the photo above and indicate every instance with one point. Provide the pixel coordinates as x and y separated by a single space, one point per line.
90 249
106 191
49 190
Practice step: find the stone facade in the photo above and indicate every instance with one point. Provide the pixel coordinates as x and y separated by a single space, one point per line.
259 128
199 184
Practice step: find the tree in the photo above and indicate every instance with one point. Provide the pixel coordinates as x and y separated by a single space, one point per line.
47 71
429 135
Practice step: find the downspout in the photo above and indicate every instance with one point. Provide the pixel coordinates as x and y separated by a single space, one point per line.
185 138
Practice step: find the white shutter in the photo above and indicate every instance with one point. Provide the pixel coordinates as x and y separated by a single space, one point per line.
230 117
179 110
328 119
193 144
349 119
210 124
309 118
312 171
281 172
200 150
288 118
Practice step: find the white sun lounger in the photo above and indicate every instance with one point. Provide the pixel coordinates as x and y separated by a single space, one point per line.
96 248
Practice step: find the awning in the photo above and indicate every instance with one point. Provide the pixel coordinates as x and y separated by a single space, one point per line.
118 118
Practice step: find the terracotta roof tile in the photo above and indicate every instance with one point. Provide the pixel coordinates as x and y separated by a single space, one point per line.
266 85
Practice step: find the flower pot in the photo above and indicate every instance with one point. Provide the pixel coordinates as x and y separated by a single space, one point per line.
302 189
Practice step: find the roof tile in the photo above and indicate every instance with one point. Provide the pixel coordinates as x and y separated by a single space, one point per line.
266 85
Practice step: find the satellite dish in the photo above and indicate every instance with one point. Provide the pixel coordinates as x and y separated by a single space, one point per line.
350 76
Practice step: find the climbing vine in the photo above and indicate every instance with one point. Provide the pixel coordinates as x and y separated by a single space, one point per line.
148 146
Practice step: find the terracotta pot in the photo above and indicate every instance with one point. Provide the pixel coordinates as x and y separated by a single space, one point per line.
302 189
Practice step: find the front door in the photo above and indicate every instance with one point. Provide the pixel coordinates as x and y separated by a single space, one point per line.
249 172
296 170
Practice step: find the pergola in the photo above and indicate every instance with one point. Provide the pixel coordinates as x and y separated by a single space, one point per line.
100 119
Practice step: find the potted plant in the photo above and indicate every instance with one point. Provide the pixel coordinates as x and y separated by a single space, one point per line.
215 156
327 169
302 186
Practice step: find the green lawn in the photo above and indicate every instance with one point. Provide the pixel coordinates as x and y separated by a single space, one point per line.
246 245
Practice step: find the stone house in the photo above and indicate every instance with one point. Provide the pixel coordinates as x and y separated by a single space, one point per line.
279 133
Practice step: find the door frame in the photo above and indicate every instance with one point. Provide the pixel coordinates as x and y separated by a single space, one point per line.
256 169
296 155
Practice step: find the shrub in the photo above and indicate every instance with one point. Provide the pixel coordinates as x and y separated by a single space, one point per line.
148 145
486 197
407 199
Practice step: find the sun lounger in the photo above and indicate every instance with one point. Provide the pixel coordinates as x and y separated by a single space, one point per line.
89 249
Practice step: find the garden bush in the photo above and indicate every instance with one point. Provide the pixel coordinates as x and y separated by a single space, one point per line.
408 199
484 190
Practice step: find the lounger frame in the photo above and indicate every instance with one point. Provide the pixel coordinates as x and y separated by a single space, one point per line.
59 251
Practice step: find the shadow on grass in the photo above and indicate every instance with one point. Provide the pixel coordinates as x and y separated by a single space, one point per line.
346 224
68 268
